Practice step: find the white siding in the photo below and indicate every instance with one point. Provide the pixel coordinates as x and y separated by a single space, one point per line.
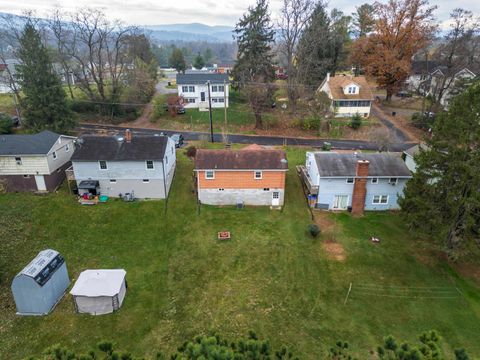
196 95
60 149
31 165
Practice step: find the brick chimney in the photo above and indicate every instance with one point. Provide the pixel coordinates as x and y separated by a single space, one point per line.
360 188
128 136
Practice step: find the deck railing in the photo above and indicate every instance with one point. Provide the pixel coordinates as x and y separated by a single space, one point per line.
312 188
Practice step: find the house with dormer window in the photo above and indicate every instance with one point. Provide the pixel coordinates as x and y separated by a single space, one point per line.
349 95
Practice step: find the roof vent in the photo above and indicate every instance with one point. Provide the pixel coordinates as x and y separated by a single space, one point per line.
119 138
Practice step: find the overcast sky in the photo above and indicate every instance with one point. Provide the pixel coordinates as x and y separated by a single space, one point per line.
211 12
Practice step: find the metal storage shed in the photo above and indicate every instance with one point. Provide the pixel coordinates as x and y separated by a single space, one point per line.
99 292
41 284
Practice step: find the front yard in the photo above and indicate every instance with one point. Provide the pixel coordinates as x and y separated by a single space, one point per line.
271 277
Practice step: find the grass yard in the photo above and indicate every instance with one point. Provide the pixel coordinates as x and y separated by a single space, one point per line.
271 277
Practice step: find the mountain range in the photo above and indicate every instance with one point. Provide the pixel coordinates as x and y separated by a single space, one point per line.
190 32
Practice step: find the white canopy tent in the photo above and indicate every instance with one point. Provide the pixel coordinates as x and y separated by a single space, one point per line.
99 292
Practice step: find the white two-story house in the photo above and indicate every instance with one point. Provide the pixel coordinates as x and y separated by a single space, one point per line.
349 95
354 181
193 87
142 165
34 162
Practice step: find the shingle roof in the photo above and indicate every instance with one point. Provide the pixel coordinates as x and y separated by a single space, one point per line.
241 160
423 67
142 147
35 144
414 150
337 83
331 164
201 78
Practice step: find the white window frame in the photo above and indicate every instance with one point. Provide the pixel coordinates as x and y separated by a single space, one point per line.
380 198
185 88
214 88
191 88
350 182
209 177
221 88
146 165
18 160
100 164
275 194
374 181
393 182
255 174
54 155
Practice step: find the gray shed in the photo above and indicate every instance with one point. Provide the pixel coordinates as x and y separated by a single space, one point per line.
41 284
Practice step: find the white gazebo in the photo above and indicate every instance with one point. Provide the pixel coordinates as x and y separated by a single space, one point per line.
99 292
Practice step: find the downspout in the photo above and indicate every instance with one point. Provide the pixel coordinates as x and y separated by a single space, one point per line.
165 186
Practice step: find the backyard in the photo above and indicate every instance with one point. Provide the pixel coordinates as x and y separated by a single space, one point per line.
270 277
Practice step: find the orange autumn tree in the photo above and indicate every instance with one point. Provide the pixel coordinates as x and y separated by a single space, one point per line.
402 27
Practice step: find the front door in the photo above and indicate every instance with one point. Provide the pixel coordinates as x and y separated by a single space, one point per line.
340 202
202 96
275 198
40 181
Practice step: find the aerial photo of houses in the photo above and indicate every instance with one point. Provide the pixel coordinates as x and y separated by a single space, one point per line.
249 180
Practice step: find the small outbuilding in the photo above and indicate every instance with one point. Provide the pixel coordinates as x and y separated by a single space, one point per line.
99 292
41 284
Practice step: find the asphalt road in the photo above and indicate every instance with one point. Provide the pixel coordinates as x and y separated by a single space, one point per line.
247 139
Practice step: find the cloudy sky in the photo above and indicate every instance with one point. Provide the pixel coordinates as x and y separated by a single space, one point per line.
211 12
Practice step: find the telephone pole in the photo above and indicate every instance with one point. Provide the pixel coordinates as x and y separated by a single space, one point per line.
225 108
210 112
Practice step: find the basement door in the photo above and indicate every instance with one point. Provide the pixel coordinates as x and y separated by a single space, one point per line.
340 202
275 198
40 181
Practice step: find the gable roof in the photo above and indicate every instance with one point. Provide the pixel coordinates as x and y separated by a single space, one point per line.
241 160
33 144
112 148
331 164
201 78
414 150
337 84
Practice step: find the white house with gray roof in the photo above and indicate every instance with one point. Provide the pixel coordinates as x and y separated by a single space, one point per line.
193 87
354 181
142 165
34 162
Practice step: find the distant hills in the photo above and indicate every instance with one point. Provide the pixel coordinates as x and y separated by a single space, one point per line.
190 32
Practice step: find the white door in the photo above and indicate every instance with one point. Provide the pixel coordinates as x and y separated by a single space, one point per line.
275 198
40 180
340 202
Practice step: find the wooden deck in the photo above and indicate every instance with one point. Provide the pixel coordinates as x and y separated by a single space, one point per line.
312 188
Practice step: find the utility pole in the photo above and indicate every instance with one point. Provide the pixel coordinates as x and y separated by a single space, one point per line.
225 108
210 112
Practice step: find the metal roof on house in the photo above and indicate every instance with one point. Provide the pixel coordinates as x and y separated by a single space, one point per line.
241 160
35 144
114 148
43 266
331 164
201 78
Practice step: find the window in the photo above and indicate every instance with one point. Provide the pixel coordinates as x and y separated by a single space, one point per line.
380 199
209 174
221 88
393 181
184 89
221 100
350 180
352 90
214 88
146 181
191 89
54 154
374 181
149 165
266 189
276 195
103 165
257 175
113 181
190 100
67 148
18 160
166 160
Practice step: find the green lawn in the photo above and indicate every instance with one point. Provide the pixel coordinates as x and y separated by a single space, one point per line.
271 277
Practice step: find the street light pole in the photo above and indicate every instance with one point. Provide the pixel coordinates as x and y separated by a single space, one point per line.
210 112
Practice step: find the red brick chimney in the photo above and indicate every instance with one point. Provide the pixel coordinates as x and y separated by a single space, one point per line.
128 136
360 188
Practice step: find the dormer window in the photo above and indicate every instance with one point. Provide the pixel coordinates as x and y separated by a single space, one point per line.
352 90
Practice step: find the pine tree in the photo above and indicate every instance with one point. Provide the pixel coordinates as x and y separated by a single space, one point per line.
253 70
443 199
198 63
44 104
177 60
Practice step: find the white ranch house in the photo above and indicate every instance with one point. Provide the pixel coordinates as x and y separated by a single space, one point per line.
193 87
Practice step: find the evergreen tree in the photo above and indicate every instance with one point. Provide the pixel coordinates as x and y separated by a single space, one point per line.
177 60
254 66
443 199
199 62
44 104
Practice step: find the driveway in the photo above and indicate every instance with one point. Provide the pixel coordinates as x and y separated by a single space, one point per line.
161 87
247 139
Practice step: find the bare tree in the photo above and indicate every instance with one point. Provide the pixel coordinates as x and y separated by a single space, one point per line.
295 15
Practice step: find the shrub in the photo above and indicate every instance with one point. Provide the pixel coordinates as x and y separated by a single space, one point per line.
313 230
424 122
310 123
83 106
6 124
191 151
356 122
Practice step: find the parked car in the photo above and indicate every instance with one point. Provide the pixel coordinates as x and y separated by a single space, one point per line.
178 138
404 94
180 108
